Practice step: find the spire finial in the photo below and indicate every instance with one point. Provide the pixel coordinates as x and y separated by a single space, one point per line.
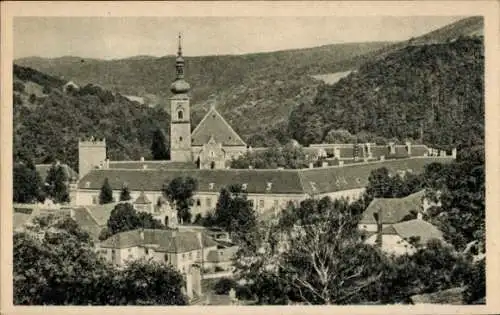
179 51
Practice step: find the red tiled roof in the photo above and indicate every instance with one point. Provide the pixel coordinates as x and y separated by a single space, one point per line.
171 241
214 125
392 210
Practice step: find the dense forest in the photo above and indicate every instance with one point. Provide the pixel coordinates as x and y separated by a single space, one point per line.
437 87
48 122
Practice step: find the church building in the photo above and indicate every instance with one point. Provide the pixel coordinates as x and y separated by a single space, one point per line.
212 143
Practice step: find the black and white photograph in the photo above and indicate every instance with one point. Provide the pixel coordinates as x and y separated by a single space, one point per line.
248 160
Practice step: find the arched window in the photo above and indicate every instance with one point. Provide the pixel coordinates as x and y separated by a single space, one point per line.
180 115
180 139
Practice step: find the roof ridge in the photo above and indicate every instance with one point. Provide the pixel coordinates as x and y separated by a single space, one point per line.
212 109
91 215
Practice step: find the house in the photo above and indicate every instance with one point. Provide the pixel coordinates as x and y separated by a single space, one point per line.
391 210
92 219
405 237
186 251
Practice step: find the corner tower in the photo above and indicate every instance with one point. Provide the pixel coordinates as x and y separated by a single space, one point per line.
180 116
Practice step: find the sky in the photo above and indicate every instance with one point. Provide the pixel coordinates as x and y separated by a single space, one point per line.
122 37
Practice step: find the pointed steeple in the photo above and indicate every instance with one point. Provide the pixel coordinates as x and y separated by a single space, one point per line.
179 86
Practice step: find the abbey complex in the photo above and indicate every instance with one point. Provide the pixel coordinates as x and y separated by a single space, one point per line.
204 154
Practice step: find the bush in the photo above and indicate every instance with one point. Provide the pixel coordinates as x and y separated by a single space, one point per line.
224 285
243 292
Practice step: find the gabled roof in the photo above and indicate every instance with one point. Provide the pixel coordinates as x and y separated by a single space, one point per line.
214 125
393 210
170 241
419 228
305 181
43 170
142 199
87 222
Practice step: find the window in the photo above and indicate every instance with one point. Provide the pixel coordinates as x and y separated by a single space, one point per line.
146 251
212 154
211 186
165 257
180 139
129 250
261 203
180 115
183 258
113 255
209 202
251 203
198 202
94 200
198 254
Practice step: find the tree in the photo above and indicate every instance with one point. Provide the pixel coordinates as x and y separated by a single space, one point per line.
323 262
125 194
56 184
125 218
55 264
159 148
152 283
460 189
106 194
179 192
235 214
27 184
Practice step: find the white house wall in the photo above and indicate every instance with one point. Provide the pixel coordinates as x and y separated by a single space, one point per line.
392 244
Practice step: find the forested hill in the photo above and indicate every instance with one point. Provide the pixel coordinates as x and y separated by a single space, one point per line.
436 86
253 92
48 122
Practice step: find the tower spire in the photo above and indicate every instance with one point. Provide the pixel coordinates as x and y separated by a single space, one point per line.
179 86
179 51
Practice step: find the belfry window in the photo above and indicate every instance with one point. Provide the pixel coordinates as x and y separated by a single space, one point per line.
180 115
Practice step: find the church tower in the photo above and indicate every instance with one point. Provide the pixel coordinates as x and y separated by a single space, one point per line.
180 121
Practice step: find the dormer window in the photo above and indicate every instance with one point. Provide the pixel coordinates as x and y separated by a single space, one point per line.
87 184
358 180
244 186
180 115
211 186
269 186
313 185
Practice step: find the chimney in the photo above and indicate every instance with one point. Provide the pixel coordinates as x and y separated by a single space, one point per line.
142 159
378 240
324 164
408 147
311 165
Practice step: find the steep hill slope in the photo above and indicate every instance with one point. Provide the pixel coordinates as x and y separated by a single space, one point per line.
436 87
49 122
252 91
